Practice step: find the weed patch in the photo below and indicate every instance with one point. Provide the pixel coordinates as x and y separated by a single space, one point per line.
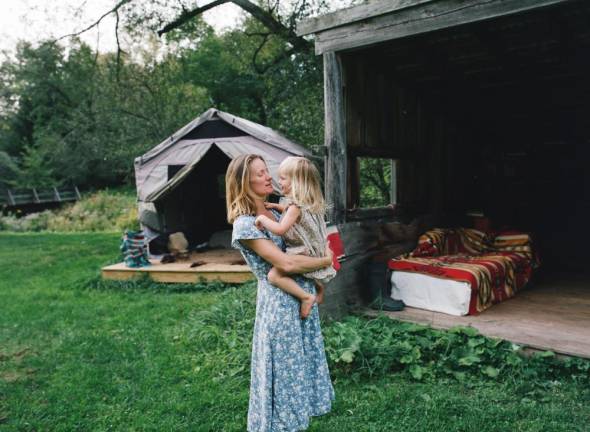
373 347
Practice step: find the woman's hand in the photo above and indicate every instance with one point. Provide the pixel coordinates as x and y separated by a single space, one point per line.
329 255
289 264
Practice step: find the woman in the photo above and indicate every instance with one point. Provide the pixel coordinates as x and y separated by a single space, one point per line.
290 381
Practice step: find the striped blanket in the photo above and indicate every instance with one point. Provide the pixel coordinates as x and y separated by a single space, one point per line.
496 266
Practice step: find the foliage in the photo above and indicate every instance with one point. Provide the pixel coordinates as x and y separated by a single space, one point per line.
8 168
376 182
78 352
379 346
100 211
82 118
77 116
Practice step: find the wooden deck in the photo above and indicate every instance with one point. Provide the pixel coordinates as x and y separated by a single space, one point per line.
554 315
222 264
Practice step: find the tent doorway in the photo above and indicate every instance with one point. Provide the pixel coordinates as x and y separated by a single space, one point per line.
196 207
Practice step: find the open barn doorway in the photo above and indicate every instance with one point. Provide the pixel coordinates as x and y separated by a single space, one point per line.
486 118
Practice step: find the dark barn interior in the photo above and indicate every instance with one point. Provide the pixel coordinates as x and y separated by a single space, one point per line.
489 117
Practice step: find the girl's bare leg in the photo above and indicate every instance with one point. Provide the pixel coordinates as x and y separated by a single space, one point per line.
289 285
319 288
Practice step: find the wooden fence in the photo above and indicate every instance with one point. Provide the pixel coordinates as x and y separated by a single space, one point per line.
23 197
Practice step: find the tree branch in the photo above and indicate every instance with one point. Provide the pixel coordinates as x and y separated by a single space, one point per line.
264 40
119 50
265 34
265 17
186 16
97 22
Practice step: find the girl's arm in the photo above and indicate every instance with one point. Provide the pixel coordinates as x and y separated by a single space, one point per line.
288 264
279 228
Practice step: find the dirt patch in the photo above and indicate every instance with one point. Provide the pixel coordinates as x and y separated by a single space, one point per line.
16 356
16 375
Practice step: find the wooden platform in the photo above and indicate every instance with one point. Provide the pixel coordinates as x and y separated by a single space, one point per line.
554 315
225 265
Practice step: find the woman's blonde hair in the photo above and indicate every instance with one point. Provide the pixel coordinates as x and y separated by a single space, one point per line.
237 187
306 185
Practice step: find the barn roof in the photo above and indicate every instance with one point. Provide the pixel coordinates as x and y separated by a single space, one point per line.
383 20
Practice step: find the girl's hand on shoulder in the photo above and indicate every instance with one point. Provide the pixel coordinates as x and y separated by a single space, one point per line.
273 206
259 222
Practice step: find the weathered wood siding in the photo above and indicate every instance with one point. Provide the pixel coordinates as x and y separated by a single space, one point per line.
335 138
385 118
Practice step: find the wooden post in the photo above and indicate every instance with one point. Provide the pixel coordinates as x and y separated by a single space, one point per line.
77 193
57 197
11 200
36 196
335 139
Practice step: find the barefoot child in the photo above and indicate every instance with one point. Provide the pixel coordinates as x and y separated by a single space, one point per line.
302 226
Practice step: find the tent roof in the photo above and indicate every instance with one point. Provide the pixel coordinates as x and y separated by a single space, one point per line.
263 133
184 148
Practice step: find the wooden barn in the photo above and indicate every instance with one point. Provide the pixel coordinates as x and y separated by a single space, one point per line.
481 109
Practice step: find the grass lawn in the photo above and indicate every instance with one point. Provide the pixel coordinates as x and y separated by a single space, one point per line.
80 354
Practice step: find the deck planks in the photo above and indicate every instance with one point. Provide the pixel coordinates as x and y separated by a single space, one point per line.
554 315
220 264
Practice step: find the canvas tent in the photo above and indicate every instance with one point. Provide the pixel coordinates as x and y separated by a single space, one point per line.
180 182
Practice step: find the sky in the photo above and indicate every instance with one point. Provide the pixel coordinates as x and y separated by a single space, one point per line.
34 20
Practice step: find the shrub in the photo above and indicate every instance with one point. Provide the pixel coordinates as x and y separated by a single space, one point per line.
100 211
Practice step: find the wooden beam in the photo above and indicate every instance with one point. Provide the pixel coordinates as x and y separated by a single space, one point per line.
11 200
421 18
353 14
335 139
36 196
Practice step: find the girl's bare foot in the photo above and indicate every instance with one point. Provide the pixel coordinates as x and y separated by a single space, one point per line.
306 305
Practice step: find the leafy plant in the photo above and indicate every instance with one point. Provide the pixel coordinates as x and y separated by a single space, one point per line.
378 346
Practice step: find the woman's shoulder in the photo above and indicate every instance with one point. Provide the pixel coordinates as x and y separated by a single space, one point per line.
244 229
243 218
243 222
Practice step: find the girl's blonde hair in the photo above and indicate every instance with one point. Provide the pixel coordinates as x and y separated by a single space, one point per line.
306 185
237 187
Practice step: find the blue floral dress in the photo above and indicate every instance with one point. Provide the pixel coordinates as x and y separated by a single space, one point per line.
290 381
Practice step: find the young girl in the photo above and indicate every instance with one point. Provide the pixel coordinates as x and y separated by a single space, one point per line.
302 226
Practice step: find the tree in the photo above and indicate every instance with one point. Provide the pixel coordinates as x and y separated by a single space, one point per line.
9 170
79 116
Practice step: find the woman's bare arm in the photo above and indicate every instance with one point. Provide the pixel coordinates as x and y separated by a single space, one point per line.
279 228
287 263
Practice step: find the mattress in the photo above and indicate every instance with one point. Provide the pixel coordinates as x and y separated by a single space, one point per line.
431 293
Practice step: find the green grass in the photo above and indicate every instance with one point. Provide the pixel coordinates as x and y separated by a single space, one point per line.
77 353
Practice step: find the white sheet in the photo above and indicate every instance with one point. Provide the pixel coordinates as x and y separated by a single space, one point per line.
431 293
